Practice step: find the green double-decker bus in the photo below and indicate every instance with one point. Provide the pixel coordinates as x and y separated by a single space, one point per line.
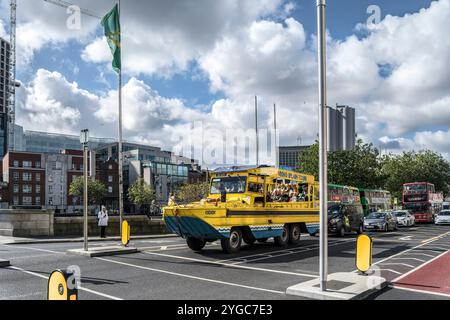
375 200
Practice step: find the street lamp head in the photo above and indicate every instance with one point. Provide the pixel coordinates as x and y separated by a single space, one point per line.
84 136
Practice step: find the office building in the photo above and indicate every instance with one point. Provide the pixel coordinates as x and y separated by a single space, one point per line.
4 95
289 157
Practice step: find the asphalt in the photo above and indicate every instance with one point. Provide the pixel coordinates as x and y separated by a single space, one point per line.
166 269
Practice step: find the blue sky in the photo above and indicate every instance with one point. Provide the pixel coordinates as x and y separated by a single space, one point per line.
197 60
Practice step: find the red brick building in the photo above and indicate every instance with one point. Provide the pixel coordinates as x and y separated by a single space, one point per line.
25 174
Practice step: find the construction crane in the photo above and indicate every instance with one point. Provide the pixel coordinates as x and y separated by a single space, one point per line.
13 84
66 4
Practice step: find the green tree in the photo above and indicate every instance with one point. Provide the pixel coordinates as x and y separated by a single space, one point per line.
423 166
141 194
96 190
360 167
188 193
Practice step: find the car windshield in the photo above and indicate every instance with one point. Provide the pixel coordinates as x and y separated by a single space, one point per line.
400 214
376 215
228 185
444 213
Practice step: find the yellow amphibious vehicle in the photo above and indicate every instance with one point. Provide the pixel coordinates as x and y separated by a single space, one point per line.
249 204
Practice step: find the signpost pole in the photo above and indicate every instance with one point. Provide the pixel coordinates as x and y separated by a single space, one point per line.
323 145
84 139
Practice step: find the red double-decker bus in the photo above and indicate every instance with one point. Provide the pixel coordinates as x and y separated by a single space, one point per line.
422 200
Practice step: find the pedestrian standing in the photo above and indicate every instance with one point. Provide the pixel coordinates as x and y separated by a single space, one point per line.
103 221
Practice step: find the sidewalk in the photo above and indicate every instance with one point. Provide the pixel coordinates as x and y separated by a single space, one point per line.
15 240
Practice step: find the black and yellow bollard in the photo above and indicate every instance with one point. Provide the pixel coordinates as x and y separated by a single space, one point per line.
126 233
363 253
61 286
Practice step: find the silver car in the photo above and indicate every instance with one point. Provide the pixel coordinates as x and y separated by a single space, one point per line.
382 221
442 217
404 218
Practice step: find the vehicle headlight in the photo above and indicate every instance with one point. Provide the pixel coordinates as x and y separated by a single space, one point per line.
334 221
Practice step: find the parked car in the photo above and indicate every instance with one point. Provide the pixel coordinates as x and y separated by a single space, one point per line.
383 221
404 218
343 218
442 217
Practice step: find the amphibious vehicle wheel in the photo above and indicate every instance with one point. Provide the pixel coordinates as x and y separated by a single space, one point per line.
294 234
284 238
195 244
233 243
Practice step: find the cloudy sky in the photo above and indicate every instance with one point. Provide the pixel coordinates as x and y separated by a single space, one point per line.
191 61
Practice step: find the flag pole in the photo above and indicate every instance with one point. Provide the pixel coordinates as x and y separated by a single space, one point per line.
120 134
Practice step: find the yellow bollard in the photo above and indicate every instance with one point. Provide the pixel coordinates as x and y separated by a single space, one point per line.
58 288
363 253
126 233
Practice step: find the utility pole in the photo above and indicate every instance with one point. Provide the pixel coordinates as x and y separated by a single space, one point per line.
277 152
120 136
256 128
323 145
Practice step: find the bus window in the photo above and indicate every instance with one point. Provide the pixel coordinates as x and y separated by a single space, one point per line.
255 187
228 185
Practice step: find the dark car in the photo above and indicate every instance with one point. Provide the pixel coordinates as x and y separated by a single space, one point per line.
343 218
383 221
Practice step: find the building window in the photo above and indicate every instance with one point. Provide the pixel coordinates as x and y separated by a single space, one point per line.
50 179
38 188
110 167
27 200
27 176
27 188
110 179
50 189
50 201
16 200
38 201
110 189
16 188
38 177
16 163
16 176
27 164
38 164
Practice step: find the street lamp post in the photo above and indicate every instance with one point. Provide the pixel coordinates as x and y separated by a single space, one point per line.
84 139
323 162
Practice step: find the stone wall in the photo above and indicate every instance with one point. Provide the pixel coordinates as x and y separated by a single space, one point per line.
140 225
43 223
26 223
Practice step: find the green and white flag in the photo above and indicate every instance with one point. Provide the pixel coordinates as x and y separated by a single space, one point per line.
111 24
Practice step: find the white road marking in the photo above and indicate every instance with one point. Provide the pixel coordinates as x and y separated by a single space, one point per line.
416 259
397 264
420 291
230 265
390 270
265 257
191 277
34 249
420 254
80 288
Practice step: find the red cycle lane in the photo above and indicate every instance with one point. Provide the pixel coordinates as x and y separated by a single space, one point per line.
433 277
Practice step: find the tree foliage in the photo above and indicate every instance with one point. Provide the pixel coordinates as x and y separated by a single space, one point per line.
360 167
96 190
141 194
423 166
363 167
188 193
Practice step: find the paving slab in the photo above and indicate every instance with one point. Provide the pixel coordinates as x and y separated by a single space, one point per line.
4 263
341 286
104 251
